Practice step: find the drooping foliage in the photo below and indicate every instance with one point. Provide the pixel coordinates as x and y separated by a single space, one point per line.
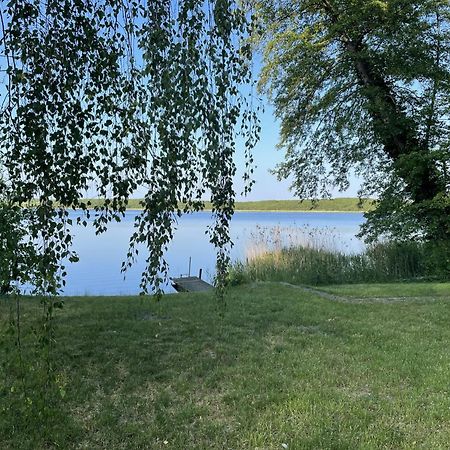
364 87
105 96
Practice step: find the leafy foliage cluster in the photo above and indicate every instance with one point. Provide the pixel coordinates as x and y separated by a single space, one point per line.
364 86
107 96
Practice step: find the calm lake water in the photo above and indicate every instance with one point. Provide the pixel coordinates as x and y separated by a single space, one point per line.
98 271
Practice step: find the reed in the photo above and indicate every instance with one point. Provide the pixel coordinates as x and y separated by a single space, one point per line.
281 255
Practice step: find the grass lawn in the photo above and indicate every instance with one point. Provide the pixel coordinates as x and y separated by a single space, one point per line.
284 368
390 290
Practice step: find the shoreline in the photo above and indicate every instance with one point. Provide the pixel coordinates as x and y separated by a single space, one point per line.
339 205
336 205
320 211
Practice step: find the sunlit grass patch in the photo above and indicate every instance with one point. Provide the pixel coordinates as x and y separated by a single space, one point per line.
391 290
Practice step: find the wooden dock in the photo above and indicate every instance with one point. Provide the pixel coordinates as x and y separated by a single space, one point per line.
190 284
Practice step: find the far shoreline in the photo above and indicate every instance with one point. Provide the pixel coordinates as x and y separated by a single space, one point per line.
319 211
336 205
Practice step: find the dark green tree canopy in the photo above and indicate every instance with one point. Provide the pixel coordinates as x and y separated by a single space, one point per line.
113 95
365 86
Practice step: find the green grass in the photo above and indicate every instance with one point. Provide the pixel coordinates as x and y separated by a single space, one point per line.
390 290
332 205
283 366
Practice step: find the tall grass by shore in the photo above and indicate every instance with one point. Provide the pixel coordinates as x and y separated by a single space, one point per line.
281 255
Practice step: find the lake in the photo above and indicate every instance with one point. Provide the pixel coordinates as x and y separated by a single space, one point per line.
98 271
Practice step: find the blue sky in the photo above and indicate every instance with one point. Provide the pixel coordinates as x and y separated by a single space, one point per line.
266 157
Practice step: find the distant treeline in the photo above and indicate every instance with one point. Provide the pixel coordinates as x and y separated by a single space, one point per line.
335 204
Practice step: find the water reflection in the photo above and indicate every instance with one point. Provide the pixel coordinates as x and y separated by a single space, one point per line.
98 271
